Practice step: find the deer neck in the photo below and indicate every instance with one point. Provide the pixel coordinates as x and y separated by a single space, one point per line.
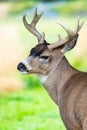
56 79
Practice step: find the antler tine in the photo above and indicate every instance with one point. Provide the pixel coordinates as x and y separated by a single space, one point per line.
65 28
69 37
42 38
36 18
78 25
32 26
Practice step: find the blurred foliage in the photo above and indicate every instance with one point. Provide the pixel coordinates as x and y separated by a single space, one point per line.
29 110
49 0
68 7
33 0
71 7
18 7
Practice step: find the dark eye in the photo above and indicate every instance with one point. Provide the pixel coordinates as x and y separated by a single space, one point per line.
44 57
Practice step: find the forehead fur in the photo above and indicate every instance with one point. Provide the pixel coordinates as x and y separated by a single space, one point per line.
38 49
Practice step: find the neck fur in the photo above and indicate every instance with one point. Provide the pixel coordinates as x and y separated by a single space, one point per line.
54 82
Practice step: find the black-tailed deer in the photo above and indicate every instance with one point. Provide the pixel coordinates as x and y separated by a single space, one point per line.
65 85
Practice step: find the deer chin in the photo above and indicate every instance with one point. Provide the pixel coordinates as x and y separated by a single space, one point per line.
24 71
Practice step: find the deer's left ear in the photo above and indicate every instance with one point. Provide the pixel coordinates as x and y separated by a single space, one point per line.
68 46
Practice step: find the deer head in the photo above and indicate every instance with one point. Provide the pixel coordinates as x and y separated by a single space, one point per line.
44 56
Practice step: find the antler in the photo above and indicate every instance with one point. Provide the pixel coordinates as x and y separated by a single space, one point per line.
69 37
32 26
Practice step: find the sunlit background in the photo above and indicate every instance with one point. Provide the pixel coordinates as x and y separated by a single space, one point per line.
24 104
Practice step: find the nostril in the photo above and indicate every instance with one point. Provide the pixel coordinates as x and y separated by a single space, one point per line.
21 66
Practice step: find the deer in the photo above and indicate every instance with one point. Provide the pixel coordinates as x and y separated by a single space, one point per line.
66 85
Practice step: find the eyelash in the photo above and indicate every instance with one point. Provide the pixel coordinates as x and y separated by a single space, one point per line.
44 57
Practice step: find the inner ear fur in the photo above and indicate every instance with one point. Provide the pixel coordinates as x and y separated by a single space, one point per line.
70 45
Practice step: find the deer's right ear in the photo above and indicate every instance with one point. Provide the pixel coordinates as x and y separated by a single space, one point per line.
70 45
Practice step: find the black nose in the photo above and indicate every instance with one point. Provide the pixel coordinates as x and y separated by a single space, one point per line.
21 67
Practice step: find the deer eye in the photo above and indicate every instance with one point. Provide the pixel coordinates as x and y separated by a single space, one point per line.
44 57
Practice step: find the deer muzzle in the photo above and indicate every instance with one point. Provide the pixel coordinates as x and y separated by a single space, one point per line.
22 68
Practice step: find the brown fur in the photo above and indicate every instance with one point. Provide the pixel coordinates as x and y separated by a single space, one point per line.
68 89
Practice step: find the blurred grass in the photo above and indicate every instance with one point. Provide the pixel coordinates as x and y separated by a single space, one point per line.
31 81
29 110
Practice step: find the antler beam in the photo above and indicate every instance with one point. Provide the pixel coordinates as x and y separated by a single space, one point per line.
69 37
32 26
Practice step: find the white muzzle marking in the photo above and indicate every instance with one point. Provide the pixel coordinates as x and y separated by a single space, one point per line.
26 63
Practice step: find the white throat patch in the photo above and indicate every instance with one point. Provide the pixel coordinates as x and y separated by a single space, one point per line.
43 78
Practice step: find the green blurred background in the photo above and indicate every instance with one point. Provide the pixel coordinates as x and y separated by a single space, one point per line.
24 104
